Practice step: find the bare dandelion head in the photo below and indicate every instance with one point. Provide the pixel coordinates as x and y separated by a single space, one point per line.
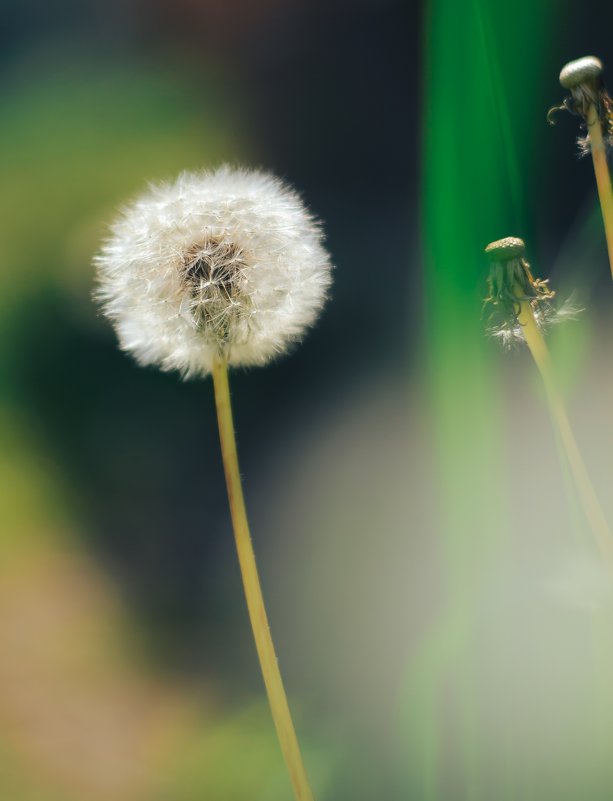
588 99
584 70
223 264
511 247
510 282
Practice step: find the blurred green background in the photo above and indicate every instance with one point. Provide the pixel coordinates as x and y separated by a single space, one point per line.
442 620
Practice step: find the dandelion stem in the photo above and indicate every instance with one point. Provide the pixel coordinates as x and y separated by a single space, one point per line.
587 495
253 593
603 178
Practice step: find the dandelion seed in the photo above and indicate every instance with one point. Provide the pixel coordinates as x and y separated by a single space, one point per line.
214 270
589 100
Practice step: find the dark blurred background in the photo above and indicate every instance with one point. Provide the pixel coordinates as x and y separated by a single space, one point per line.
130 669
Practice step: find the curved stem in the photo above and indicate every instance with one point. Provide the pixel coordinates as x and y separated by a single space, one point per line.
587 495
253 593
603 178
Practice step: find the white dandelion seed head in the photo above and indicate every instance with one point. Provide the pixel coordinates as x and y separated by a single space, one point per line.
216 264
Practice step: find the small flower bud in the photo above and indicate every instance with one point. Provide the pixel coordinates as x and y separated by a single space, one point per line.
510 247
588 99
223 264
510 282
583 70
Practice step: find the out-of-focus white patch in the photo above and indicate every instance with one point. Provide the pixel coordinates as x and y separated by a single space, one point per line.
582 581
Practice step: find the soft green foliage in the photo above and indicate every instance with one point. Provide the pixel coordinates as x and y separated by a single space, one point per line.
74 145
239 758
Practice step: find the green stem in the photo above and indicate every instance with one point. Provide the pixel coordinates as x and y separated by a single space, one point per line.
587 495
253 592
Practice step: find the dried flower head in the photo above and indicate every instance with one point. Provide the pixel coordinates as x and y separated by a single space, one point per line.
583 79
510 282
216 264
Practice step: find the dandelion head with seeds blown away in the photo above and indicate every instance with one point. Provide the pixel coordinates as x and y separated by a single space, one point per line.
223 264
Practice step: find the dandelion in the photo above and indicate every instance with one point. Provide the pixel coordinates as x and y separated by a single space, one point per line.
224 264
510 282
220 269
524 302
589 100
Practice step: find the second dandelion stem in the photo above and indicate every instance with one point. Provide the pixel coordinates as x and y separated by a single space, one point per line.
587 495
603 178
253 593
